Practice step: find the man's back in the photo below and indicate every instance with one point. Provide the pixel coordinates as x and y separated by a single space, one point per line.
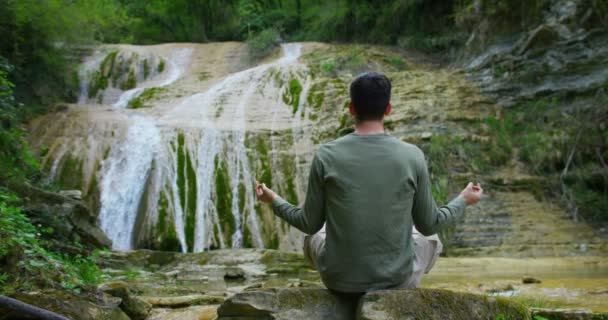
369 186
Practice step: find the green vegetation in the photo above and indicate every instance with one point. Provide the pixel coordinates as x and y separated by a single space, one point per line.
186 184
291 96
223 200
262 43
27 260
265 172
147 95
161 66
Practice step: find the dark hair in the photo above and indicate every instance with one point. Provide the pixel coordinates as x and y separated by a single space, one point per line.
370 93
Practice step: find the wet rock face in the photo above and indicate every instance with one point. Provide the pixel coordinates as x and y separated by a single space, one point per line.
566 54
390 304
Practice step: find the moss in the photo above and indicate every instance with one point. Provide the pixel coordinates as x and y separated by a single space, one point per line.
292 195
107 65
147 95
190 208
265 174
161 66
223 200
291 96
71 173
274 241
97 83
117 71
186 184
131 81
146 69
204 75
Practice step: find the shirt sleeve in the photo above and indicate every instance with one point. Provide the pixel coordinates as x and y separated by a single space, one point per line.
428 218
310 218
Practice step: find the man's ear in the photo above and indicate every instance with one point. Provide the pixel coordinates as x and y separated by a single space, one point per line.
388 110
351 109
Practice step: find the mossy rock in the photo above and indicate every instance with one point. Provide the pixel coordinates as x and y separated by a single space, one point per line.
292 304
430 304
71 306
567 314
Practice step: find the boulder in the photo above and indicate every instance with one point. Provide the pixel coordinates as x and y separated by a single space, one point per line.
70 219
436 304
289 304
135 307
69 305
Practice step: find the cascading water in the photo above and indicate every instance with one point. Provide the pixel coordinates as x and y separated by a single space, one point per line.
124 176
180 177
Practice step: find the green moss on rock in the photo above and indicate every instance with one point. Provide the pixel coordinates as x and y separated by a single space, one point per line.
130 82
223 200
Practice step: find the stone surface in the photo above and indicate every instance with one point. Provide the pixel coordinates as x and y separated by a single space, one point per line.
183 301
288 304
565 54
568 314
70 219
74 194
190 313
136 308
430 304
72 306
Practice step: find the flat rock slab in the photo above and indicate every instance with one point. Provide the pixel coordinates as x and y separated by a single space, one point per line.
288 304
190 313
568 314
435 304
183 301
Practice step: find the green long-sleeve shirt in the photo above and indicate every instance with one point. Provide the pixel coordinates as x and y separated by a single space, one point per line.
369 190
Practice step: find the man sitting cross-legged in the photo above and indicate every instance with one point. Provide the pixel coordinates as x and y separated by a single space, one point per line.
366 192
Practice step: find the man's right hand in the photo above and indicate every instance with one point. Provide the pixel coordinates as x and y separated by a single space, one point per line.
472 193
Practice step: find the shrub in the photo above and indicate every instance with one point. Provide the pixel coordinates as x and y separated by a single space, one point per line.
262 43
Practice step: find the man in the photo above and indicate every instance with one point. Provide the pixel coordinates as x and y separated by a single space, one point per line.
370 189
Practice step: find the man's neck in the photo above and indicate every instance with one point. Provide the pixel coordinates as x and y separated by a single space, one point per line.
369 127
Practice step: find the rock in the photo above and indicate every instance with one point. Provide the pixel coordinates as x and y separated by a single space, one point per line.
540 37
190 313
437 304
135 307
289 304
71 306
183 301
71 219
567 314
74 194
529 280
117 289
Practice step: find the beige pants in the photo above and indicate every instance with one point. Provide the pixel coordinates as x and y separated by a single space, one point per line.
426 249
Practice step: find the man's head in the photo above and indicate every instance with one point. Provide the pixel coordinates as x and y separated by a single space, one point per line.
370 95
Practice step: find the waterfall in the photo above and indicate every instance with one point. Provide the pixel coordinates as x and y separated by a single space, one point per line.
181 177
124 177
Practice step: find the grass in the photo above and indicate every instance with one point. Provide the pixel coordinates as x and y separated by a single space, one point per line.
146 96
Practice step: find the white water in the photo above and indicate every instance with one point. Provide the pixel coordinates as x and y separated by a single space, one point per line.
209 128
177 62
124 176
